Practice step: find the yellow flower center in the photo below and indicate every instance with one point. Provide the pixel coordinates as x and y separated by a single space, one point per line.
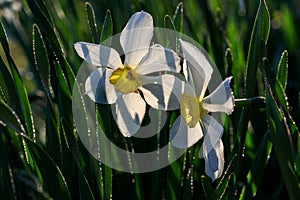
125 80
190 109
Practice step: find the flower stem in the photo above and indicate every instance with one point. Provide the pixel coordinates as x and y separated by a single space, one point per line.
259 102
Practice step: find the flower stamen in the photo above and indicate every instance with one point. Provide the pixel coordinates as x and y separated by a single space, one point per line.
190 109
125 80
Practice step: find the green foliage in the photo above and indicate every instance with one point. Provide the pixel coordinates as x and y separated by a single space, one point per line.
42 156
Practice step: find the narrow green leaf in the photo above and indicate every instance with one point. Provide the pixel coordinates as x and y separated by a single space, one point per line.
27 121
98 177
178 17
107 28
260 32
9 117
40 56
102 113
8 89
53 143
70 139
255 175
168 23
13 85
84 187
222 187
174 179
53 179
3 39
208 189
43 19
50 36
63 95
282 69
171 35
269 74
92 22
281 140
7 185
258 40
85 190
228 62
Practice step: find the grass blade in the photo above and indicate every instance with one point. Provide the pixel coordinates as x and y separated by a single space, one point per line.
208 189
282 146
3 39
259 37
53 178
7 187
9 117
282 69
178 17
107 28
92 22
260 32
23 97
40 56
255 175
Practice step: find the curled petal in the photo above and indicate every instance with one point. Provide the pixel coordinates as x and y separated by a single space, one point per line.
128 113
136 37
220 100
199 67
98 55
214 161
213 131
98 87
162 92
159 59
182 136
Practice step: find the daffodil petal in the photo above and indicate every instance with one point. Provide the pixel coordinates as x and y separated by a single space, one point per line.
213 131
199 68
214 161
136 37
162 92
182 136
221 99
128 113
98 55
98 88
159 59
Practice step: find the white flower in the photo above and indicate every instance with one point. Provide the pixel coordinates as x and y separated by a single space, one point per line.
121 84
194 120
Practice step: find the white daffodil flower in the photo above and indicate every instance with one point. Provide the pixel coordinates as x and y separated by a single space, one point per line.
121 84
194 120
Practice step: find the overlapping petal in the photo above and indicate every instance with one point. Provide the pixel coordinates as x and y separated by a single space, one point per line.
162 92
128 113
136 37
98 88
182 136
221 99
159 59
98 55
199 68
213 131
214 161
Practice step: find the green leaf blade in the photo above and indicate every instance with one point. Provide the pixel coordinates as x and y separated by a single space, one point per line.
282 146
53 178
107 28
92 22
282 69
260 32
